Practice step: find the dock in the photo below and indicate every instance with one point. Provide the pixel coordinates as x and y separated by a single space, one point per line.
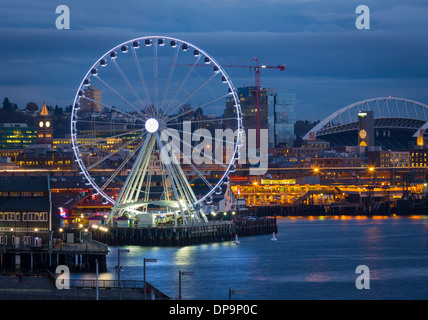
76 256
214 231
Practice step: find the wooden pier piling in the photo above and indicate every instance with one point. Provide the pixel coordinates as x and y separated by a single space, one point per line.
217 231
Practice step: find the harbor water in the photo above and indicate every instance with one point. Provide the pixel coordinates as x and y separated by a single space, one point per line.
312 258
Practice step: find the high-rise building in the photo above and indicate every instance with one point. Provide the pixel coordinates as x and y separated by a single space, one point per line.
276 114
16 135
94 104
282 119
247 100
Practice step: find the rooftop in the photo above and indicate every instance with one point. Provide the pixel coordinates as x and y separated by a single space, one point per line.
11 184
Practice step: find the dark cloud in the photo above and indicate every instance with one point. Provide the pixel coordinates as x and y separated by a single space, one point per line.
329 63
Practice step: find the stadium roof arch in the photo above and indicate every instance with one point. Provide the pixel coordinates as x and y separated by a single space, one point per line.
397 122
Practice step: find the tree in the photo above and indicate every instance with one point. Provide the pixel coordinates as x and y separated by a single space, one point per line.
198 113
6 104
58 111
32 106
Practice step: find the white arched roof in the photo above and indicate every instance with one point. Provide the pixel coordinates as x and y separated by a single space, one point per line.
382 107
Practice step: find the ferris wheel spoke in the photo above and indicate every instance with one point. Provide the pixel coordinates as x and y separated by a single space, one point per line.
111 123
196 107
189 161
122 165
170 73
118 94
206 155
155 76
123 146
183 81
108 138
141 77
201 121
210 137
191 94
182 184
125 79
112 108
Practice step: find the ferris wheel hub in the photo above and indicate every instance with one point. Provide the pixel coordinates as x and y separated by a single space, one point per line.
152 125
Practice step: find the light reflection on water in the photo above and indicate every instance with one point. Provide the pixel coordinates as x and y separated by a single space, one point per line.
314 258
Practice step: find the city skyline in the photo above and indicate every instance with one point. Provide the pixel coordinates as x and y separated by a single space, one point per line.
329 62
275 149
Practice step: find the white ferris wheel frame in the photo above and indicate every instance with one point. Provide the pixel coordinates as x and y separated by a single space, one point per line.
231 92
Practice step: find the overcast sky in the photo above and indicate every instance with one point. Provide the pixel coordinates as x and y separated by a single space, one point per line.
329 63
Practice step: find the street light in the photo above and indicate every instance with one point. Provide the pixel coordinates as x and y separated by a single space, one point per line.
182 273
372 172
145 287
236 292
97 287
119 267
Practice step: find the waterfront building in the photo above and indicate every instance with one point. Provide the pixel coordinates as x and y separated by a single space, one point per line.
389 159
82 212
312 191
226 201
12 154
337 162
25 210
418 158
53 161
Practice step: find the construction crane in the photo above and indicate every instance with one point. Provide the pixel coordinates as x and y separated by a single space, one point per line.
257 68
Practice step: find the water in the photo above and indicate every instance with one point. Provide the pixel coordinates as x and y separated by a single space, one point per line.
313 258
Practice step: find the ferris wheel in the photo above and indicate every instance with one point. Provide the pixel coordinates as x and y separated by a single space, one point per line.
158 119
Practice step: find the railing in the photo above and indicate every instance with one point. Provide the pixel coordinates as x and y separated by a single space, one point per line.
114 284
92 246
107 284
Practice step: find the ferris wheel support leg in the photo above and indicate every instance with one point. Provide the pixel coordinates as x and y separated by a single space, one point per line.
173 178
124 193
191 194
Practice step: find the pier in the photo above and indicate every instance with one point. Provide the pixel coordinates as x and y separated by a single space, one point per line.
216 231
76 256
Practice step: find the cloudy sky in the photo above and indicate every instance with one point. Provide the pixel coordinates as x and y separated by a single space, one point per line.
329 62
